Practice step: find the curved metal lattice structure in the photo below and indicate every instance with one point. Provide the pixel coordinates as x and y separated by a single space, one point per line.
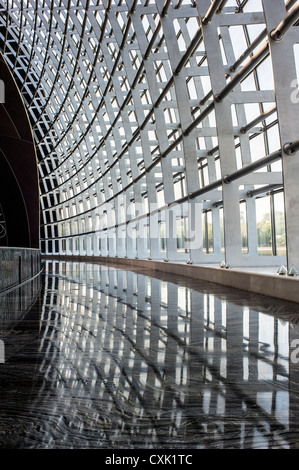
164 129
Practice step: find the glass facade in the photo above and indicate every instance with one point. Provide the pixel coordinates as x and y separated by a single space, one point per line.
164 129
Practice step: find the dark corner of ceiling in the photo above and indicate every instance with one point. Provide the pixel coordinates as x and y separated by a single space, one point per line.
19 192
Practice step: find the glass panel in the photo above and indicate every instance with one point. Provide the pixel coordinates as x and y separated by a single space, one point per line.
163 236
244 232
264 231
280 233
208 242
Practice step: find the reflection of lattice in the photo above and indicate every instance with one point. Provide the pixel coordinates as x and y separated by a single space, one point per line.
128 358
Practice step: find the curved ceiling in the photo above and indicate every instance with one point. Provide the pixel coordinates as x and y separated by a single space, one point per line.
130 107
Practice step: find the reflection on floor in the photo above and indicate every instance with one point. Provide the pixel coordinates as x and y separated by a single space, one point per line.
112 359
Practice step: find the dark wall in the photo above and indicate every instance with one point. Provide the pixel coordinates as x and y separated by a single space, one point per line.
19 192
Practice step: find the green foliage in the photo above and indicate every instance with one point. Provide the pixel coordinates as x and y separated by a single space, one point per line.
265 233
280 229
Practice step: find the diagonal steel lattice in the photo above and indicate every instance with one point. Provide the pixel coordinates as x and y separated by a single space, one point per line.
127 109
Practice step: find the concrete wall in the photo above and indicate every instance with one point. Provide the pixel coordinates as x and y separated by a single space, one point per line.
17 265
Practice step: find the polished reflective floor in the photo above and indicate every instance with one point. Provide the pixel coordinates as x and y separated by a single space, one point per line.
99 357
